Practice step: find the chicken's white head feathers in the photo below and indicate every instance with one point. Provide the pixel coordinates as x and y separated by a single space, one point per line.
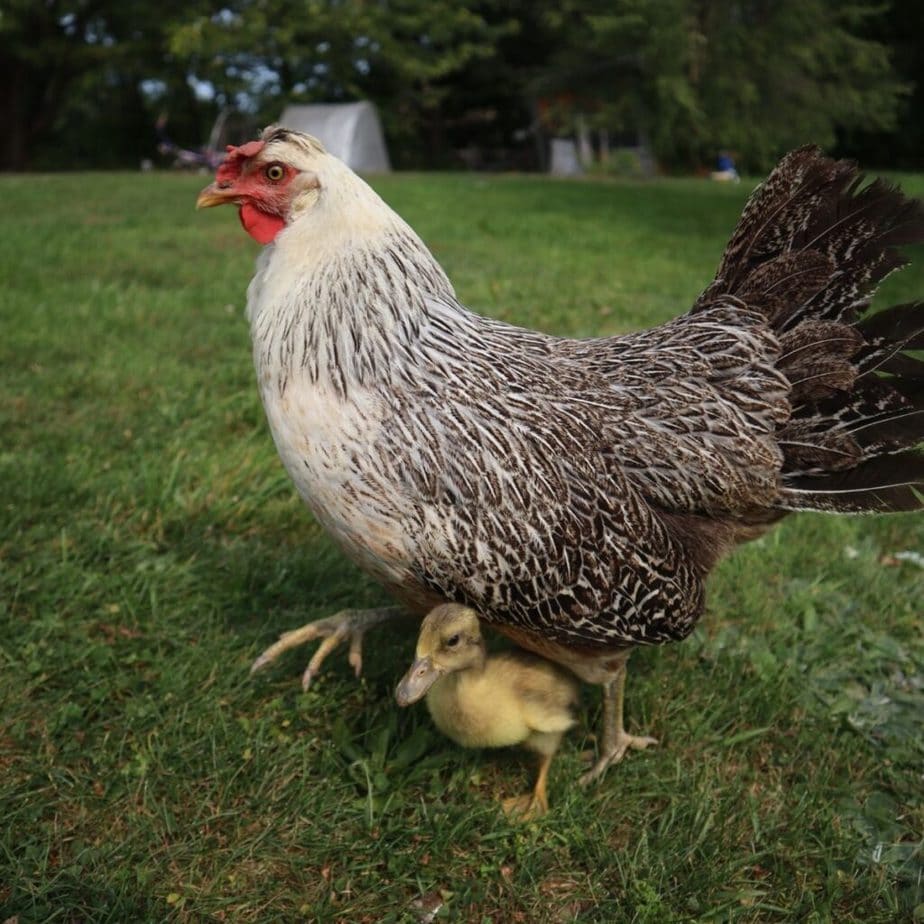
286 178
342 268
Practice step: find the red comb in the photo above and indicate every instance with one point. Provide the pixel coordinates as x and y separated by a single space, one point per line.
231 166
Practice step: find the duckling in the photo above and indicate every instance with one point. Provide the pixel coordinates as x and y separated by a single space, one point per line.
481 700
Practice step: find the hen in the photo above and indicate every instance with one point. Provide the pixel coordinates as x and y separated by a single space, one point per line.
576 493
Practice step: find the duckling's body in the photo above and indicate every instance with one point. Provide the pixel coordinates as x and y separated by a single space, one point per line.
513 698
481 700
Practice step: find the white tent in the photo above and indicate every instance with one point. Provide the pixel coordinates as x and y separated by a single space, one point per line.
351 131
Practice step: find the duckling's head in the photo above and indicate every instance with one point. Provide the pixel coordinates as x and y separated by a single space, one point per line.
450 640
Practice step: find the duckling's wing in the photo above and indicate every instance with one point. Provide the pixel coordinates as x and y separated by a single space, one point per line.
547 695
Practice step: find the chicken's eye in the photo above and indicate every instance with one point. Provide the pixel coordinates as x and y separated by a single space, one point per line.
452 641
275 172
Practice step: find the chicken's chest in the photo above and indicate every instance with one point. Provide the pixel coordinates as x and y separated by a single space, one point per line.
325 442
324 347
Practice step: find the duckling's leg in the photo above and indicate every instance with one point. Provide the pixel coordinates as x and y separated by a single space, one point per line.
347 624
616 740
535 804
540 796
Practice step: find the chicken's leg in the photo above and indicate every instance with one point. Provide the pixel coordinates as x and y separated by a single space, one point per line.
347 624
615 739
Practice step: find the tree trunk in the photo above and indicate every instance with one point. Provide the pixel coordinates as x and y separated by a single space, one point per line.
14 152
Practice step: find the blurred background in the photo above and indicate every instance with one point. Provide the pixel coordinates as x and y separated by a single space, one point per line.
625 86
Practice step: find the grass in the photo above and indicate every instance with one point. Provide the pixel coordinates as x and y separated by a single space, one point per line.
151 546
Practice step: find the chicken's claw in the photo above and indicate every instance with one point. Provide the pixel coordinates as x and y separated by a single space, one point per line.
624 742
334 630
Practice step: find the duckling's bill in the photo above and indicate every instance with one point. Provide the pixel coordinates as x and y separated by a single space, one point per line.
421 675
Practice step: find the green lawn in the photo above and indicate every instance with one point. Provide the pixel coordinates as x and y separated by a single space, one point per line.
151 546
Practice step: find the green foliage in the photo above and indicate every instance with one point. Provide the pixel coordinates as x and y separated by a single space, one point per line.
72 73
691 78
86 81
901 30
794 71
151 545
401 54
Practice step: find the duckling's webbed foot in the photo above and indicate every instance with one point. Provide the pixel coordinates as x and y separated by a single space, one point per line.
525 808
347 625
533 804
616 741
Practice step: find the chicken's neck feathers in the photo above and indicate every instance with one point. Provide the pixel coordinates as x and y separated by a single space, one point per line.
345 308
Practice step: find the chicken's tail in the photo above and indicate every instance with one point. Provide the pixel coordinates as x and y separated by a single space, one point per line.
812 245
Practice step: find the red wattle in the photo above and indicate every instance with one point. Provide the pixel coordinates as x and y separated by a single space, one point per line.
261 226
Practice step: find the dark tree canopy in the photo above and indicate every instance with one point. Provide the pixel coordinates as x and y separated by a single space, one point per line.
483 83
758 77
73 72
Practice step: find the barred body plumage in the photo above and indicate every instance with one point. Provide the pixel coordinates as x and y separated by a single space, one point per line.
577 492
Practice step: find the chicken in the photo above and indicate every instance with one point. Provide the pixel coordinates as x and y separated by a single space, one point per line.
575 493
490 701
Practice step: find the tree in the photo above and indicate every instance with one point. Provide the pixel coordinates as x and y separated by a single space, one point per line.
78 64
85 79
756 76
401 54
901 29
777 75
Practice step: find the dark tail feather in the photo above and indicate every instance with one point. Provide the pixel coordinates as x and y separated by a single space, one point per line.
881 485
813 242
902 324
812 245
853 442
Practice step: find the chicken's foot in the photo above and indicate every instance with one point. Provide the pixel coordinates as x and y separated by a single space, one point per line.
346 625
616 741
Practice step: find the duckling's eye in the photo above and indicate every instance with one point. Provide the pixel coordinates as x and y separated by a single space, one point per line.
452 641
275 172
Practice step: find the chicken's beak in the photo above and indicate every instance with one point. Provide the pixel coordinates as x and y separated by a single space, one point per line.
421 675
213 195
